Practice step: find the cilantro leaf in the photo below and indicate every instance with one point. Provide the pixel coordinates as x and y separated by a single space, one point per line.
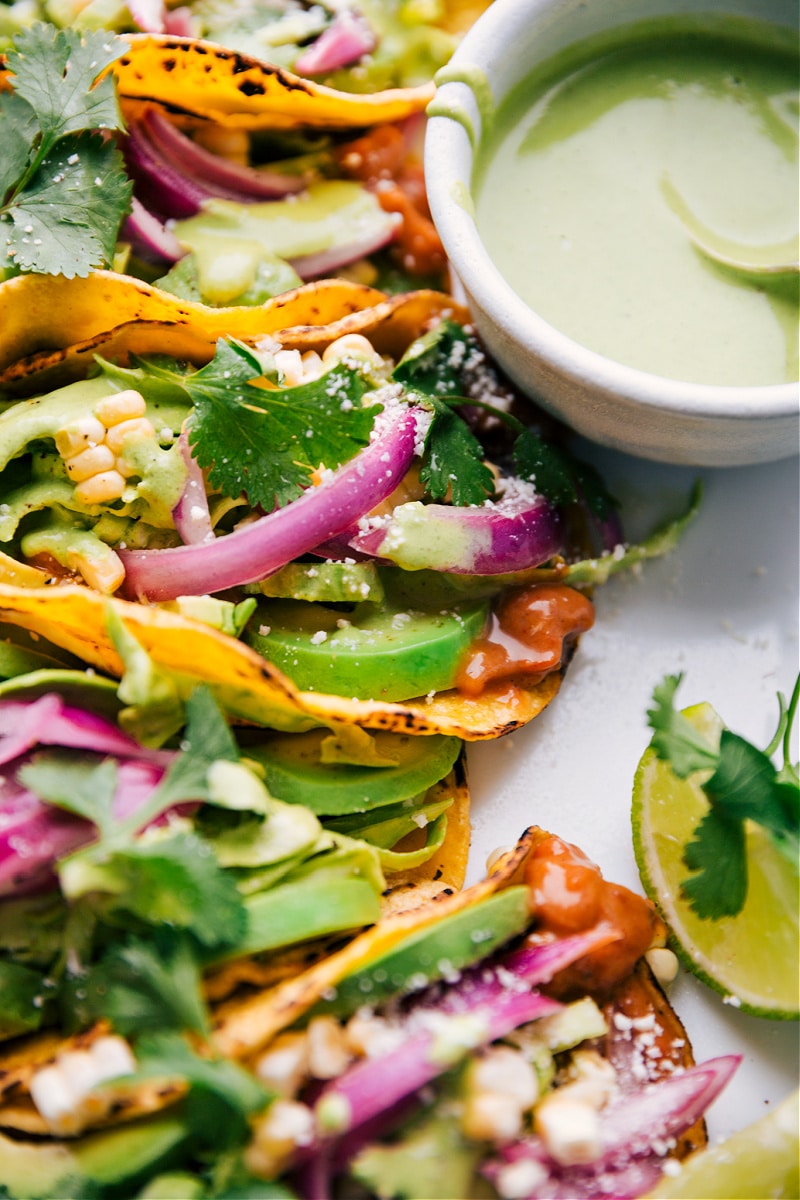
267 443
453 458
742 784
560 477
717 853
430 370
63 187
675 739
142 986
67 218
55 71
81 787
173 880
433 363
19 130
222 1095
546 465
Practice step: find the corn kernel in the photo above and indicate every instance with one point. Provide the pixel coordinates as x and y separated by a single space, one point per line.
286 1125
135 427
663 963
328 1054
89 462
290 365
79 435
101 488
283 1066
120 406
489 1116
350 345
104 575
501 1069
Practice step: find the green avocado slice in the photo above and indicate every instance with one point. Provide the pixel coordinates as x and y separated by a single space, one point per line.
37 1171
432 953
294 770
370 652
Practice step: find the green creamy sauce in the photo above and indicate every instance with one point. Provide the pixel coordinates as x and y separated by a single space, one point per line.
597 174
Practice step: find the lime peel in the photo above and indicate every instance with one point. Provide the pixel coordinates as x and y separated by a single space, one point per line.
760 1160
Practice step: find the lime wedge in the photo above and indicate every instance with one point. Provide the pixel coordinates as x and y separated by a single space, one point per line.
752 958
761 1160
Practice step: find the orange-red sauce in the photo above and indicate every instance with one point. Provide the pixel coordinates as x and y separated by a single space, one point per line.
381 160
527 635
569 895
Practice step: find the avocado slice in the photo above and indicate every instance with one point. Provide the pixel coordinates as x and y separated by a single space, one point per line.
371 652
326 582
71 1170
295 772
449 945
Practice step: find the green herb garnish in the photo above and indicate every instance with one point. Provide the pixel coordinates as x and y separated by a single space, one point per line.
63 186
743 785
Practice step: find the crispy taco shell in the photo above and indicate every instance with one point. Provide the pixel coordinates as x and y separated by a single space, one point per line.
197 81
245 1023
52 327
247 686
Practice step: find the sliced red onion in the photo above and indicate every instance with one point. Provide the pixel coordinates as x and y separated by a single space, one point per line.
191 516
157 182
311 266
255 550
347 39
485 1003
517 532
35 835
48 721
239 182
375 1084
147 236
635 1132
148 15
178 22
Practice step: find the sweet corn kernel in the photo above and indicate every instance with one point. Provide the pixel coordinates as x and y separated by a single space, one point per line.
502 1069
328 1054
350 345
89 462
283 1067
663 963
79 435
569 1129
120 406
489 1116
134 427
102 487
104 575
286 1125
290 365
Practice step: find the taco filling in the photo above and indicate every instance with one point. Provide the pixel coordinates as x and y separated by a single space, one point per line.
508 1037
398 529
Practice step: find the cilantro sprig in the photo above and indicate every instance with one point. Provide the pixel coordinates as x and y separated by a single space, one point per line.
266 443
742 785
63 186
434 371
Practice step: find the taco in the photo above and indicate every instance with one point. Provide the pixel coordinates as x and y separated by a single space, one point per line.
247 178
499 1037
364 480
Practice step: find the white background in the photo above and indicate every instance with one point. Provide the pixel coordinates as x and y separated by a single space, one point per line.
723 609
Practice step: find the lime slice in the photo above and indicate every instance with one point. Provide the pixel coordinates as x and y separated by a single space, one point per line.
761 1160
750 958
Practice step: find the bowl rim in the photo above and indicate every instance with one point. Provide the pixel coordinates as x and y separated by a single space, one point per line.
449 158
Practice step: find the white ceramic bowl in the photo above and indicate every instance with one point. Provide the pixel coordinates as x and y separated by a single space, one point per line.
616 405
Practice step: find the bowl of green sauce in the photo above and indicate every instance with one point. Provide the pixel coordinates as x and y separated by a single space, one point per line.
616 186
